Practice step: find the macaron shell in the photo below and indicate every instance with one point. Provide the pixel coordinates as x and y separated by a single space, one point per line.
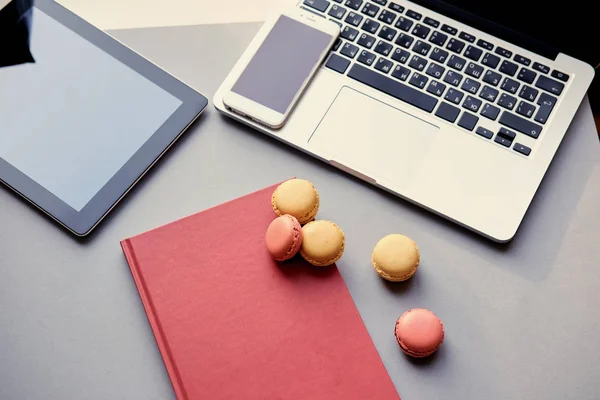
283 237
396 258
419 332
322 243
297 197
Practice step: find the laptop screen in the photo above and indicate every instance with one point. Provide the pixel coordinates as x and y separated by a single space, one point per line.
550 27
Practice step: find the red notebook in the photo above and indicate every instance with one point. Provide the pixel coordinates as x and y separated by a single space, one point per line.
231 323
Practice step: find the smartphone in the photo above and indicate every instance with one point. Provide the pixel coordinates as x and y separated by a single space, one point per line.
293 46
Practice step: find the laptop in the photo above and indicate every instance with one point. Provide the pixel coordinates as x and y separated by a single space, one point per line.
457 106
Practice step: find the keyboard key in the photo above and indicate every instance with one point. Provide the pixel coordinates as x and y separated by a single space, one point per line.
454 95
453 78
472 103
522 60
468 121
353 4
467 36
396 7
370 26
438 38
473 53
438 55
491 77
392 87
383 48
490 60
366 41
349 50
403 24
508 68
370 9
337 12
387 33
490 111
503 141
435 70
510 85
431 22
505 133
366 57
401 72
525 109
319 5
349 33
421 47
541 67
486 133
474 70
384 65
560 75
507 101
503 52
337 63
436 88
418 63
485 45
521 148
449 29
520 124
404 40
546 103
400 55
421 31
447 112
528 93
380 2
549 85
354 18
456 62
414 14
488 93
455 45
526 75
387 17
418 80
470 85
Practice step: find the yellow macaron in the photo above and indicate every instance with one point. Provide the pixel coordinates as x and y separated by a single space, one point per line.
396 258
298 198
322 243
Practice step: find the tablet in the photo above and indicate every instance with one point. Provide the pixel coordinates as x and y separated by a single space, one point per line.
84 117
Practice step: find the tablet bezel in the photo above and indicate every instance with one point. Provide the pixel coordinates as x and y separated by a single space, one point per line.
82 222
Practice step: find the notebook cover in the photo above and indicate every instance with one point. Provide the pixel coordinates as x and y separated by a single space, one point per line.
231 323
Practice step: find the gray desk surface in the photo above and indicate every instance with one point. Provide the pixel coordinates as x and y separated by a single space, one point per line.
522 319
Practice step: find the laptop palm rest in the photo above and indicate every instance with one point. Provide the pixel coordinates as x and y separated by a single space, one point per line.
372 139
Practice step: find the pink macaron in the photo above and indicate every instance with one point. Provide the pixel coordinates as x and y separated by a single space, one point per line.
419 332
284 237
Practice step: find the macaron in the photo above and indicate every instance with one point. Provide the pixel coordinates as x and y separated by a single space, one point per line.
322 243
296 197
396 258
419 332
284 237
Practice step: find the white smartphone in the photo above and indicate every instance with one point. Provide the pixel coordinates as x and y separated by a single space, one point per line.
291 48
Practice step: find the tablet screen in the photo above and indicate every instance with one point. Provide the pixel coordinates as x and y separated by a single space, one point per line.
74 116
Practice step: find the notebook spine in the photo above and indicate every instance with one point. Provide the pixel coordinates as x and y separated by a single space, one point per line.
159 335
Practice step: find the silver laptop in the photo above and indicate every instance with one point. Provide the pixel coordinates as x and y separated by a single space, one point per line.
460 112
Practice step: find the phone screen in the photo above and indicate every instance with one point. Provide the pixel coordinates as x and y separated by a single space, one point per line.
281 64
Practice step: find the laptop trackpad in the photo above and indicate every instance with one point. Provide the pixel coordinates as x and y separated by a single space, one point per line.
373 138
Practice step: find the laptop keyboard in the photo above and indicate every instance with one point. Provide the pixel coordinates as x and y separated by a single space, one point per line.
434 67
